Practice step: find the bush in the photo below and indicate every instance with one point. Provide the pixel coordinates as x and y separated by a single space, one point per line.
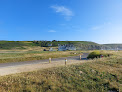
97 54
94 54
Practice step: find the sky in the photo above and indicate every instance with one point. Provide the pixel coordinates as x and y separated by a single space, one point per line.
98 21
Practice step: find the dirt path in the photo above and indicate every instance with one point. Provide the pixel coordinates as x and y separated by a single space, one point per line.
12 68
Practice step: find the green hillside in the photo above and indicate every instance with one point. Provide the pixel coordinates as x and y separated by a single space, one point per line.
80 45
14 44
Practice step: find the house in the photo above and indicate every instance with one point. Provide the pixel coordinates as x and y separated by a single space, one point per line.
51 49
66 47
49 44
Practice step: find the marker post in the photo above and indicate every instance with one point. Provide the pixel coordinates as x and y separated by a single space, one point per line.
49 60
65 61
80 57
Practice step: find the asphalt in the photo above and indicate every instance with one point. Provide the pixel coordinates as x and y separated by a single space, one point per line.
3 65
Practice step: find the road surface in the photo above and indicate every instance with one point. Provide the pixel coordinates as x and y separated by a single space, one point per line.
18 67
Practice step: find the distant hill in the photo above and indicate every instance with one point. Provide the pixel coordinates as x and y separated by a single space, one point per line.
80 45
114 46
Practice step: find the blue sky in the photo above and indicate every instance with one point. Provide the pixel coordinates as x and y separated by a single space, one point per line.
76 20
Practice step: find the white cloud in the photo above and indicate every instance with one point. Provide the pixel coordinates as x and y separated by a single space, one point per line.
52 31
67 13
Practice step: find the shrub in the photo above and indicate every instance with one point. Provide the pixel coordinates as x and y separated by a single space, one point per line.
94 54
97 54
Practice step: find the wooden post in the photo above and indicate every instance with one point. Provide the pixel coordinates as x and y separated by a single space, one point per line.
49 60
80 57
65 61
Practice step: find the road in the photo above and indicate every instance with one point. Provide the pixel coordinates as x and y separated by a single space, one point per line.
18 67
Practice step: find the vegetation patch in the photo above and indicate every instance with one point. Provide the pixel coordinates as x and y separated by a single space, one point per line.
34 55
80 45
98 54
98 75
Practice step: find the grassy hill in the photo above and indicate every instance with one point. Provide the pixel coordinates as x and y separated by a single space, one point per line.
80 45
12 44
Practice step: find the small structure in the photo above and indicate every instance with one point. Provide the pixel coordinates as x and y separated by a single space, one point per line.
49 45
66 47
51 49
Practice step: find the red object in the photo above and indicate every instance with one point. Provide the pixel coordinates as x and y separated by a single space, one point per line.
101 56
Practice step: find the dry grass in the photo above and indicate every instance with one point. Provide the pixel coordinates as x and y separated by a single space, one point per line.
28 48
17 56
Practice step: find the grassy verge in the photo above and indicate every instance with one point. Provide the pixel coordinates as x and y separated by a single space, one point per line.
34 55
98 75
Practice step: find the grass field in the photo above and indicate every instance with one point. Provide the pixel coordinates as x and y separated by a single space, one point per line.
98 75
32 54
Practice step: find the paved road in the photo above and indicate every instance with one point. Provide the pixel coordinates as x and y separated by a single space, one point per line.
3 65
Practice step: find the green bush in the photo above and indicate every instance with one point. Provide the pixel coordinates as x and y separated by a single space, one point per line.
97 54
94 54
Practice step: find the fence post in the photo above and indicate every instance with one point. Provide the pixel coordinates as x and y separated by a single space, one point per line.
49 60
80 57
65 61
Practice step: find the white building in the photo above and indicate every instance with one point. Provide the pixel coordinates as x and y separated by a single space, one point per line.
49 44
66 47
